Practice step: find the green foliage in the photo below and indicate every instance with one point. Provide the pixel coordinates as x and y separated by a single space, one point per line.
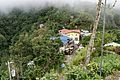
51 76
78 73
85 40
4 72
79 57
75 73
22 46
93 70
117 32
39 48
3 42
112 20
111 48
81 19
109 37
22 40
111 63
117 20
4 75
2 38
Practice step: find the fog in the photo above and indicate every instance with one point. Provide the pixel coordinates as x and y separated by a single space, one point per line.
7 5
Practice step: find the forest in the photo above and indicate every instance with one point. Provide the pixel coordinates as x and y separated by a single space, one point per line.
23 41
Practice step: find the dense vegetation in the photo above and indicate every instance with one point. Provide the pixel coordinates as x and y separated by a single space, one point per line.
23 40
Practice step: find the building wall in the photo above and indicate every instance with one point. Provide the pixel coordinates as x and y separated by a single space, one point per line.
75 36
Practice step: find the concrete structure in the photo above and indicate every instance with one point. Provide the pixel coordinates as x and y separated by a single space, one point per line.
112 44
85 33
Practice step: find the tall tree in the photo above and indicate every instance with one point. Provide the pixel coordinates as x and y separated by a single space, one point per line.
91 43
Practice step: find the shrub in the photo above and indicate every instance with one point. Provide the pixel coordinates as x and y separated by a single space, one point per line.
111 48
78 73
85 40
79 57
51 76
75 73
111 63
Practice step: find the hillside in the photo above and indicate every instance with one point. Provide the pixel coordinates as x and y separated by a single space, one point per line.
25 37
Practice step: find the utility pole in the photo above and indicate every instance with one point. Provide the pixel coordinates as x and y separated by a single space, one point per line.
8 63
0 70
91 42
102 45
21 68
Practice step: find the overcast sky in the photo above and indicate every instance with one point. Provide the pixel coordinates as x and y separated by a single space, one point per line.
9 4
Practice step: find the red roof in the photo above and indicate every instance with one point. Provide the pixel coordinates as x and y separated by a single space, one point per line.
65 31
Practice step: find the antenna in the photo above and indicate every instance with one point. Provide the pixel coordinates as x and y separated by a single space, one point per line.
102 45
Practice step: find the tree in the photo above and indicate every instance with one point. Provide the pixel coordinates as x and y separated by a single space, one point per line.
83 20
21 53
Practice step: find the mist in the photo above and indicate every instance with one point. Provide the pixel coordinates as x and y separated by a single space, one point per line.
8 5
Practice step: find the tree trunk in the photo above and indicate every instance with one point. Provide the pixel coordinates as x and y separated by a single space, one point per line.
91 43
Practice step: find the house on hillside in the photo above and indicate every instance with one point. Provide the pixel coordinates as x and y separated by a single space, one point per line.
85 33
72 34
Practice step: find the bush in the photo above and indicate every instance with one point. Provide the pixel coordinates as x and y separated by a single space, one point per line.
78 73
85 40
51 76
111 63
111 48
79 57
75 73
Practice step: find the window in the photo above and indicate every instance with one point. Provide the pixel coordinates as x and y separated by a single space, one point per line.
76 39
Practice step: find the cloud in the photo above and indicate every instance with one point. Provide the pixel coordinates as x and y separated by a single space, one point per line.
7 5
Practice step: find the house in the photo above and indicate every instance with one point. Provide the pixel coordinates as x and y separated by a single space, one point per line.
72 34
85 33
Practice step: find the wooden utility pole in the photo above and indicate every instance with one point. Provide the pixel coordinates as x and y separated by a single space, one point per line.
91 43
8 63
21 68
